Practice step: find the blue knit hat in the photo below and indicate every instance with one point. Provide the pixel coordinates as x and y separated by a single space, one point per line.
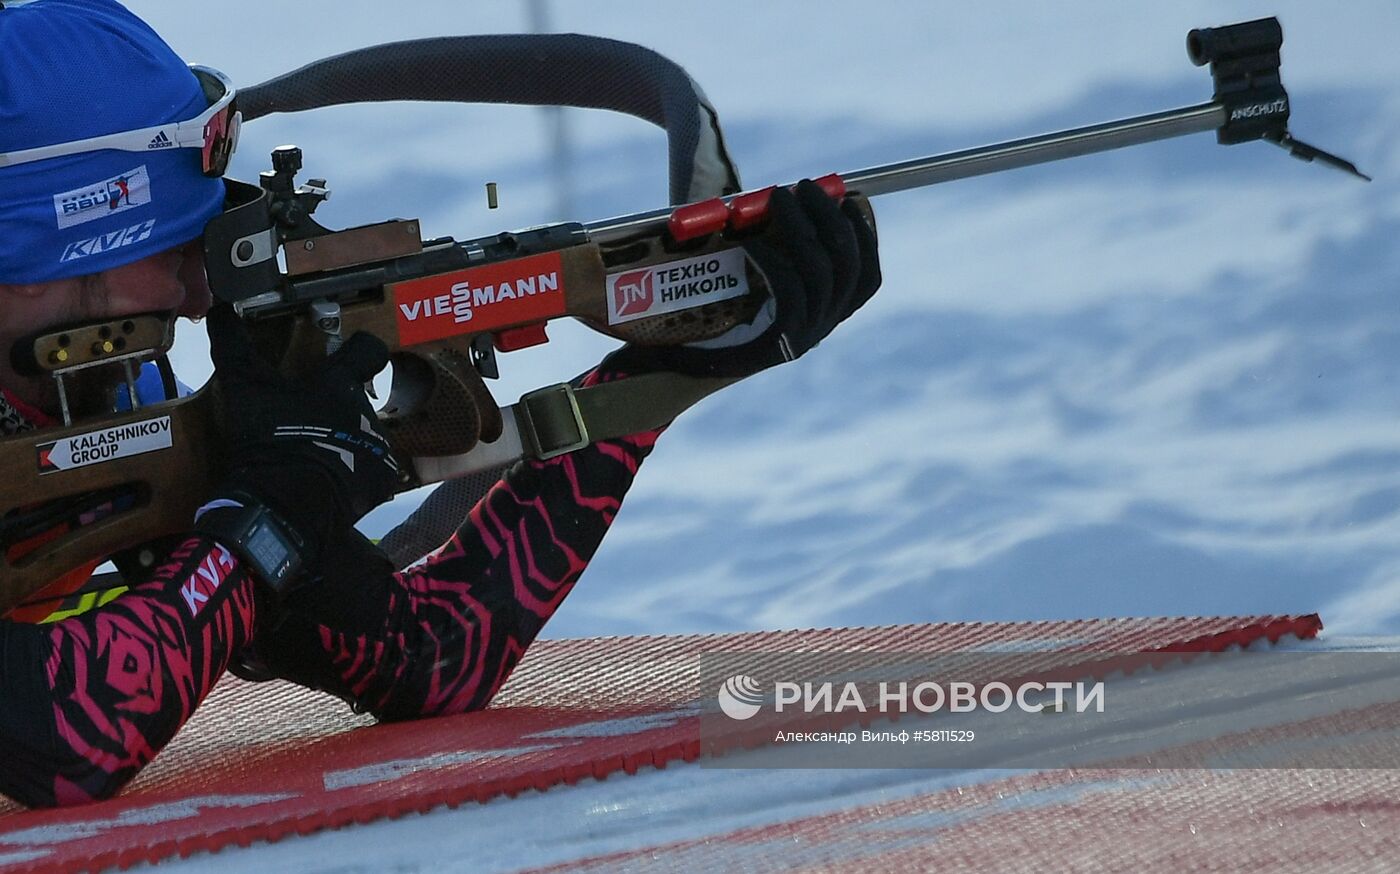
74 69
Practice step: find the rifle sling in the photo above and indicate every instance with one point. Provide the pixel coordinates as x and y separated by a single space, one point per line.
561 418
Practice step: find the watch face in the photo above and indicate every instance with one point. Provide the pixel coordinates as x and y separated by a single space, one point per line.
268 550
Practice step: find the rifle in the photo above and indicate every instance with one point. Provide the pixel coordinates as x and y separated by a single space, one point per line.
94 487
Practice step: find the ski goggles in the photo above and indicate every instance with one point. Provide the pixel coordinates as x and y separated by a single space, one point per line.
214 131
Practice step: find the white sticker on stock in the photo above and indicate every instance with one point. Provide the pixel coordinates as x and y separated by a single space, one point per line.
676 285
95 447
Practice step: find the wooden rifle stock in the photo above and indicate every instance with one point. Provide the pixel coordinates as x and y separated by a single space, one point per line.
77 494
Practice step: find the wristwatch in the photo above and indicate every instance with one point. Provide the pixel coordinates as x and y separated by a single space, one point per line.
258 536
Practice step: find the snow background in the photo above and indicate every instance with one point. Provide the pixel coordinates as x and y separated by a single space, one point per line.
1156 381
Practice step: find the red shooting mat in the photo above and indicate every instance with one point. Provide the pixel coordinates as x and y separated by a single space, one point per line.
259 762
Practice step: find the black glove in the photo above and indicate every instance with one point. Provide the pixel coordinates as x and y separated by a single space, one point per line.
822 264
309 449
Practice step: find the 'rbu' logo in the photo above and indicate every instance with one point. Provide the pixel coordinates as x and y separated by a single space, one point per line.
100 199
633 292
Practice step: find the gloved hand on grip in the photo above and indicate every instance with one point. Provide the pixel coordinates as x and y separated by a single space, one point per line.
821 262
308 449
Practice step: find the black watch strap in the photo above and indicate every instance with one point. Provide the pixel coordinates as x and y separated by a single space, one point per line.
266 544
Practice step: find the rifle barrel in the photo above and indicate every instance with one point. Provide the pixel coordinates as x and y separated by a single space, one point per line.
1035 150
919 172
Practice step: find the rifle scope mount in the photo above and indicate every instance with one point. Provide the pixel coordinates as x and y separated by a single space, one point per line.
1244 62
